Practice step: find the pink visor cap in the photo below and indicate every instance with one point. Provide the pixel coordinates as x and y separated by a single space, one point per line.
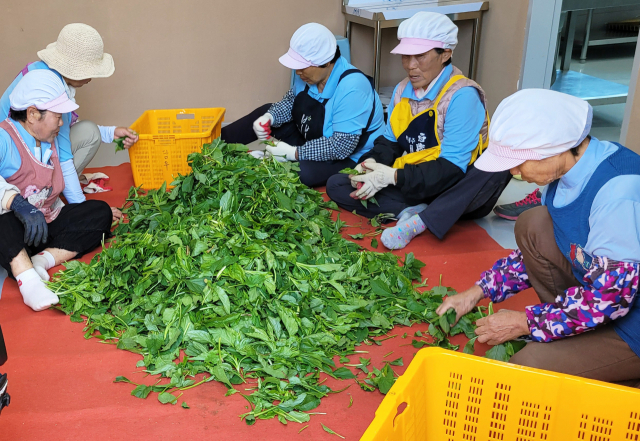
416 46
62 104
500 158
295 61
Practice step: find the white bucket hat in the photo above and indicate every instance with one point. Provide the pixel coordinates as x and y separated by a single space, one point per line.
78 54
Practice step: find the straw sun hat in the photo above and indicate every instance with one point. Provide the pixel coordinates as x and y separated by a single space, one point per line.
78 54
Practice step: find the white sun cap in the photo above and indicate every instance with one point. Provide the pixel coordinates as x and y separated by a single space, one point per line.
311 45
425 31
534 124
42 89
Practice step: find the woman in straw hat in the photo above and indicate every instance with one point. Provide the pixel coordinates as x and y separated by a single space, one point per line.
579 250
38 230
76 57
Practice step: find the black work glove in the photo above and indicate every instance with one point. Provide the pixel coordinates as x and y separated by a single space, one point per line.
4 395
36 230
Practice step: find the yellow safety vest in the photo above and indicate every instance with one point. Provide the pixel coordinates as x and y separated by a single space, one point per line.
421 140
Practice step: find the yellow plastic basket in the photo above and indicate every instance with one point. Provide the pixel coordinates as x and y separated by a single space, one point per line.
167 137
453 396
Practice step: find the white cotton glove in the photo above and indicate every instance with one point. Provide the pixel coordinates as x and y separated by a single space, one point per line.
362 168
282 149
381 176
262 126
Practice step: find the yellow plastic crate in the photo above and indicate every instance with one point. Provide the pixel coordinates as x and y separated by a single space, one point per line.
167 137
453 396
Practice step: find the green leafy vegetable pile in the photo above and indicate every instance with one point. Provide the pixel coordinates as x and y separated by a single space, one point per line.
239 273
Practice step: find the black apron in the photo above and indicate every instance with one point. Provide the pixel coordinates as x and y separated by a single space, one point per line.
308 116
420 134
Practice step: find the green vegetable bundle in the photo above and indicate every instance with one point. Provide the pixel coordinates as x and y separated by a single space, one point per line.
239 273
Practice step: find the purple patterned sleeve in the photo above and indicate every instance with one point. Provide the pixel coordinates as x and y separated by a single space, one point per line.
507 277
612 288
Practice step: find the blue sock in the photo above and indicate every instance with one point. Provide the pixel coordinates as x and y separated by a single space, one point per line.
399 236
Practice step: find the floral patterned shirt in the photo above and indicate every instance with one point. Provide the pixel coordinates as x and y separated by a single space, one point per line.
612 288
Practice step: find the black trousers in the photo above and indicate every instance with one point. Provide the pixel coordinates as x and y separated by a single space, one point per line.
472 198
78 227
312 173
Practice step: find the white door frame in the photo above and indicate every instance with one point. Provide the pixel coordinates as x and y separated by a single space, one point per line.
633 89
541 38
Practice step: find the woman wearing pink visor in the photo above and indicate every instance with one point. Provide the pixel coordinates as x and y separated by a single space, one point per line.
327 121
580 250
38 230
421 169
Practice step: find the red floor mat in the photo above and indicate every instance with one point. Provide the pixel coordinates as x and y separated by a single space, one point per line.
62 385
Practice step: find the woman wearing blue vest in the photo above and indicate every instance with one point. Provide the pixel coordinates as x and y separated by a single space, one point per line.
327 121
421 169
580 250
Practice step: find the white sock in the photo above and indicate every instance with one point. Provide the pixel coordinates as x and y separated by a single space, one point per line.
43 262
34 292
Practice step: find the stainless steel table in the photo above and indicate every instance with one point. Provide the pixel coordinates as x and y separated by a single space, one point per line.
569 7
390 13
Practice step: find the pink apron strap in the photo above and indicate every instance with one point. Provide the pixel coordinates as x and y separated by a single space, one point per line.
25 70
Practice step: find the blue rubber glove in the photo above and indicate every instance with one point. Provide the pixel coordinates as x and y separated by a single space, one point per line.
36 230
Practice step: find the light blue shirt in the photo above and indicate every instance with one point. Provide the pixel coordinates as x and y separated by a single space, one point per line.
614 220
63 142
10 161
462 124
349 105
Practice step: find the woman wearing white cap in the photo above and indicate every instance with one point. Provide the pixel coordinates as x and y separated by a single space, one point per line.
33 219
437 128
580 250
76 58
327 121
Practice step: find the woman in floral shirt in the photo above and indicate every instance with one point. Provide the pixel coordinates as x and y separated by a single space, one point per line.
580 250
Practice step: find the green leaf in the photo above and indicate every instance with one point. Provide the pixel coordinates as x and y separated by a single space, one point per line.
141 391
167 398
343 373
350 171
374 243
396 362
185 405
498 352
444 324
469 348
121 379
357 236
326 429
220 375
119 142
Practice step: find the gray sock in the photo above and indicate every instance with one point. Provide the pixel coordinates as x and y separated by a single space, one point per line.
399 236
410 211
